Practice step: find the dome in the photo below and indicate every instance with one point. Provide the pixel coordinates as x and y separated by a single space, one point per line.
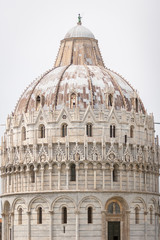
91 85
79 31
79 69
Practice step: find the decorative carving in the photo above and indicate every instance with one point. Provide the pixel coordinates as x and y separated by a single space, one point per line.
94 153
140 155
112 154
59 154
28 155
127 157
76 153
43 155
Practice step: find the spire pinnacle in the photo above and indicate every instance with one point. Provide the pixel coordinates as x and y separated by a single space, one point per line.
79 19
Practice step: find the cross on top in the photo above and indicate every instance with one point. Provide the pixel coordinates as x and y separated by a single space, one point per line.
79 19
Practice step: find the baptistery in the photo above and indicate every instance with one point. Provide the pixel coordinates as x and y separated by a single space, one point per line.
79 158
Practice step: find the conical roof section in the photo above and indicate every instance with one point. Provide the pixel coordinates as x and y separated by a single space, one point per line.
79 47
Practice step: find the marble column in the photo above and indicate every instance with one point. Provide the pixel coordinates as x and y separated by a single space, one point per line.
67 177
103 225
3 226
42 177
7 177
29 226
35 171
59 177
127 222
50 177
12 226
103 172
140 174
28 178
77 171
145 225
120 170
51 224
145 184
85 177
95 176
77 224
134 178
111 177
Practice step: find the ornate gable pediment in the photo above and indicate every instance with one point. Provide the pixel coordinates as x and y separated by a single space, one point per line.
127 156
140 156
43 155
94 154
89 115
16 157
112 154
76 154
59 153
28 156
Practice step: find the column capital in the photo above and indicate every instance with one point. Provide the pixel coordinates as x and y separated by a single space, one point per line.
145 213
28 213
51 212
77 212
128 211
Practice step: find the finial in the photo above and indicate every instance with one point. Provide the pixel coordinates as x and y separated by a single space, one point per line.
79 19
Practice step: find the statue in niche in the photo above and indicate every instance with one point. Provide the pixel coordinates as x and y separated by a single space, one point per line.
112 156
95 156
140 158
59 157
28 159
43 158
127 158
77 157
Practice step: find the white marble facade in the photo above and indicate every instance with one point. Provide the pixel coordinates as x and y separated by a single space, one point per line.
71 167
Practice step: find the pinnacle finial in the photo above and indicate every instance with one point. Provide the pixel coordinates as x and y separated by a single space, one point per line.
79 19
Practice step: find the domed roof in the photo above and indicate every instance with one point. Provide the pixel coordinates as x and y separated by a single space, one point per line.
79 31
79 69
91 84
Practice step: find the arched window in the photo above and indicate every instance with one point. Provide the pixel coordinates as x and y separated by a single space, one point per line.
90 215
136 102
89 130
41 131
131 131
151 216
64 215
110 100
114 208
23 133
20 216
115 173
125 139
73 100
64 130
136 215
112 131
32 173
38 102
73 172
39 216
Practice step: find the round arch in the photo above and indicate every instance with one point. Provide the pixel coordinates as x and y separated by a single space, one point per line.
15 201
62 197
89 197
36 198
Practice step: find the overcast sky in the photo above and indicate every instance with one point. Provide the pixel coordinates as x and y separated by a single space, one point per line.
128 32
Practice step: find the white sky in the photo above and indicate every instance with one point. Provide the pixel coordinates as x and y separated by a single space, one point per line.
128 32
